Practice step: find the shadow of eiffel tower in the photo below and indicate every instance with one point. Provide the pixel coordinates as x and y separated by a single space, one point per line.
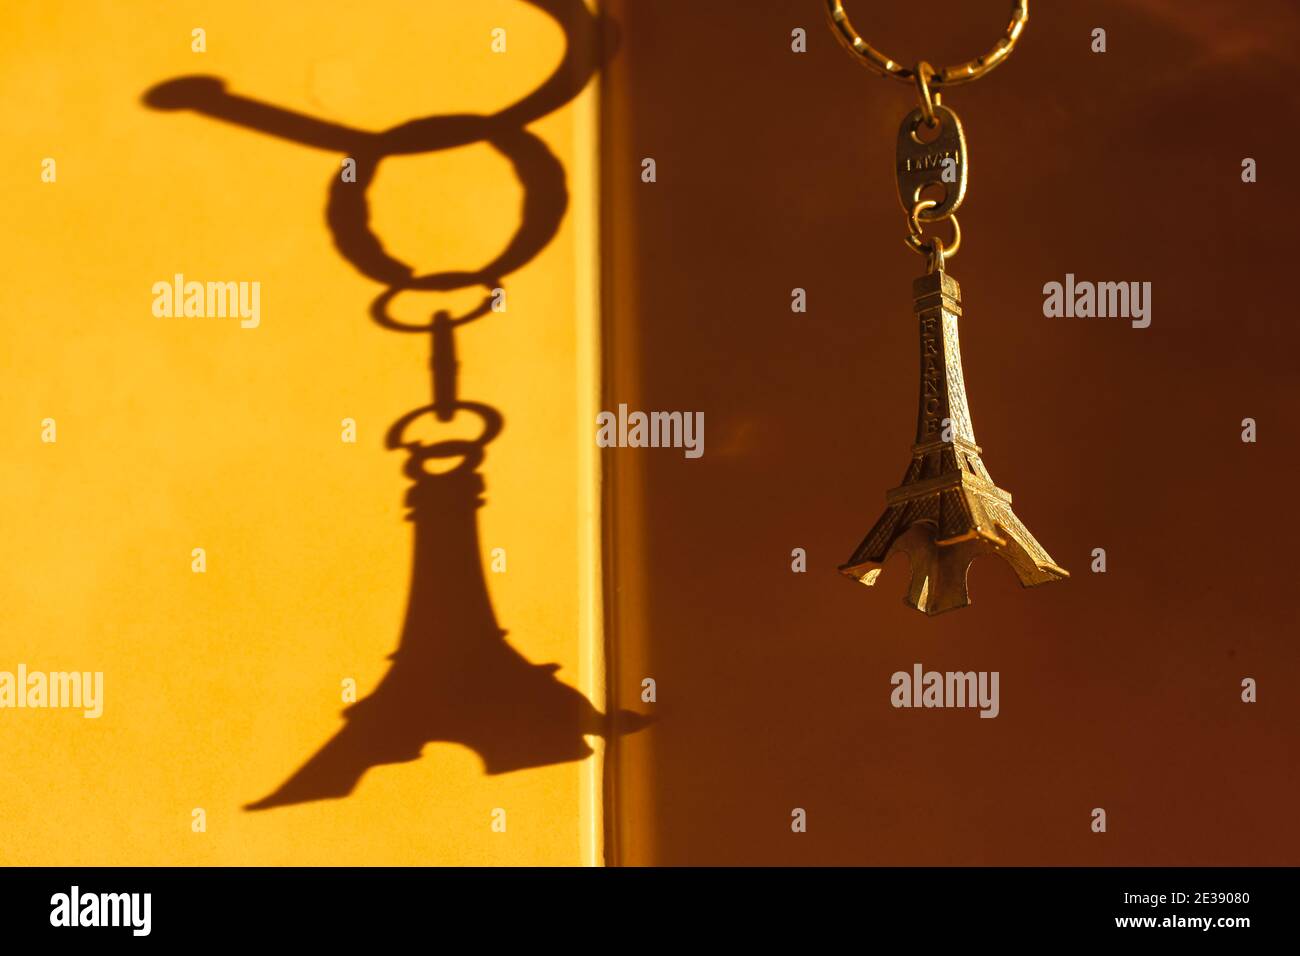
454 677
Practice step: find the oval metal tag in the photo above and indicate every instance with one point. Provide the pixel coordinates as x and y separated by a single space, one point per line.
941 162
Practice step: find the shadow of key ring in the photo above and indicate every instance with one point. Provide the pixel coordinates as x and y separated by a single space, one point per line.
537 169
872 58
471 450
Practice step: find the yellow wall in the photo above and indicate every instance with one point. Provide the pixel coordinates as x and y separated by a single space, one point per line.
183 433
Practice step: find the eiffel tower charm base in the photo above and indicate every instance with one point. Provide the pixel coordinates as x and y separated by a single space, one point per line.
947 511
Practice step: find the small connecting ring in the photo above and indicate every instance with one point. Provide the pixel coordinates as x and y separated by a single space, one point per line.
914 220
924 73
872 58
917 242
934 261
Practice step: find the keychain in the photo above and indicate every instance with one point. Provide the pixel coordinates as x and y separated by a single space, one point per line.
947 511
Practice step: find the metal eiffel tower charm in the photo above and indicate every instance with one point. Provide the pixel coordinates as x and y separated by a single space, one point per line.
947 511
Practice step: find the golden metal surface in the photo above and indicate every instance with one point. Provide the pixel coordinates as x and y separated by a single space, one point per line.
947 511
872 58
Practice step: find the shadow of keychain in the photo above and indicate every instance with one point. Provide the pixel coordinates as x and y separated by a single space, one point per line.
443 372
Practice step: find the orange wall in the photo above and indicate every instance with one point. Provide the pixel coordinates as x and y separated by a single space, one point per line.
180 433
